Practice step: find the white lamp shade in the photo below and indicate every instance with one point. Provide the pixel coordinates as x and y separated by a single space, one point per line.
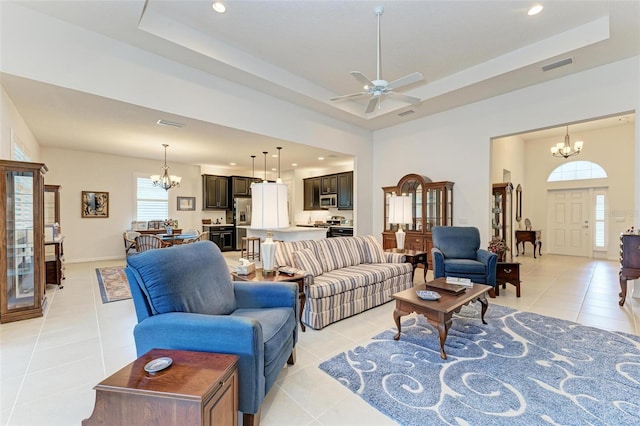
400 209
269 206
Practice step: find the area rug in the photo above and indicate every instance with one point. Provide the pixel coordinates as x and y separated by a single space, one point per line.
113 284
520 369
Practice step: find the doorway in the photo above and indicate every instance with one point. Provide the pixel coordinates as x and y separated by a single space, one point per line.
568 221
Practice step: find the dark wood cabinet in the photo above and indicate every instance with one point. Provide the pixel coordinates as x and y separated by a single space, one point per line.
329 184
53 245
215 192
432 205
223 237
241 185
502 214
345 191
22 281
629 262
312 193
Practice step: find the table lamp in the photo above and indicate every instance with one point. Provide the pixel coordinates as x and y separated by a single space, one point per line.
269 211
400 213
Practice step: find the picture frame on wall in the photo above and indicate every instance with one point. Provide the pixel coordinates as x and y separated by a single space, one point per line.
95 204
186 203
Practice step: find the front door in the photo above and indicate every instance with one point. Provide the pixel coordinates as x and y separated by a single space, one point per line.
568 219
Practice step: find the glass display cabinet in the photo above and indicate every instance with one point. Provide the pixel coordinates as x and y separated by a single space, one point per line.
432 205
502 214
53 240
22 233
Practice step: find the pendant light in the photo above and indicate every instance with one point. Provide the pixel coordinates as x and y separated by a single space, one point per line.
564 149
166 181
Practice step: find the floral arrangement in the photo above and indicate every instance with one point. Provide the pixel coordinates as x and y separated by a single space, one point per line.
498 246
171 222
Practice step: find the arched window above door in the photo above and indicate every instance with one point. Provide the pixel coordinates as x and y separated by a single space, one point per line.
577 170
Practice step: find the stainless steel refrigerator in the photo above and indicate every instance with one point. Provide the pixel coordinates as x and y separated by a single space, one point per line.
242 217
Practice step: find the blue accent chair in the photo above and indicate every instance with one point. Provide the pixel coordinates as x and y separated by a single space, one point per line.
185 300
456 252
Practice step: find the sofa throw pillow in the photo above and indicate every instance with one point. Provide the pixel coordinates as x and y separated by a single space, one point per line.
374 249
285 249
307 261
185 278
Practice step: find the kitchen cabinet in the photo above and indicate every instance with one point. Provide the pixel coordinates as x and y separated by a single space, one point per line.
431 205
22 282
241 185
328 184
223 237
312 193
215 192
345 191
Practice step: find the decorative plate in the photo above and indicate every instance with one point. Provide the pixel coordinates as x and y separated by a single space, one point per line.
428 295
157 364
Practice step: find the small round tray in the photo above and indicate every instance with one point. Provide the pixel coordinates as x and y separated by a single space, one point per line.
157 364
428 295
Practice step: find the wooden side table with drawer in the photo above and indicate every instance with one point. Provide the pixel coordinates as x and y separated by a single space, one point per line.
415 258
508 272
198 388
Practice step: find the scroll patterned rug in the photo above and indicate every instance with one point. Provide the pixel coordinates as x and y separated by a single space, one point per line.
113 284
520 369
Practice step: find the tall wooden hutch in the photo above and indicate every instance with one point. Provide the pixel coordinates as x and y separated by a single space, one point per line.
502 214
432 205
22 233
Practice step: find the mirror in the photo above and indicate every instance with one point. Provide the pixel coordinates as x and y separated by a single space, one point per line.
518 204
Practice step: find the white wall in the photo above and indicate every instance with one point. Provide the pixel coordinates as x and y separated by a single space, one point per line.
13 129
455 145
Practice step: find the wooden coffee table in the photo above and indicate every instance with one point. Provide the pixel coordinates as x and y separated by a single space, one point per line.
438 312
258 276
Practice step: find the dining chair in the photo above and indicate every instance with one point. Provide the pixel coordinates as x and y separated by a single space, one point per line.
148 242
130 241
201 236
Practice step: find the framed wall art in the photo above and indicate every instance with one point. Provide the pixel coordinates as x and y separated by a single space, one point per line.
186 203
95 204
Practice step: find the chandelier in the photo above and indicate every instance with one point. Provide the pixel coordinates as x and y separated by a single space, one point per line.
564 149
166 181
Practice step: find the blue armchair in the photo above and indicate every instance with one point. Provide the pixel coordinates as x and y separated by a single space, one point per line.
456 252
185 300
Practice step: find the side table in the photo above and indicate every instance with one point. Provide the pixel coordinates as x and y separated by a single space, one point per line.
414 257
508 272
258 276
198 388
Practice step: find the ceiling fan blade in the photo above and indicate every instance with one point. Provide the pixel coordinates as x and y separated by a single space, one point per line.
373 103
362 79
351 96
403 81
404 98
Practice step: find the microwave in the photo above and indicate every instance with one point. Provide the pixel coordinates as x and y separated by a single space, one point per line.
328 201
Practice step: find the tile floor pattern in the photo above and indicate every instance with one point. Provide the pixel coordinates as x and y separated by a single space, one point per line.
49 365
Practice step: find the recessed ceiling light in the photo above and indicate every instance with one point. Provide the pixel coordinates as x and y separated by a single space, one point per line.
294 164
535 10
232 164
274 155
219 7
320 158
273 169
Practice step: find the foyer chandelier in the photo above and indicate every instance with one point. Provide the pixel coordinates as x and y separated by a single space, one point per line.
564 149
166 181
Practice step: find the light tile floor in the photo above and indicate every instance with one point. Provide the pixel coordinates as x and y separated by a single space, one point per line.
49 365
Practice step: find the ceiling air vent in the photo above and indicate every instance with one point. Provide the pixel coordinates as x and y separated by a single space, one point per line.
169 123
405 113
558 64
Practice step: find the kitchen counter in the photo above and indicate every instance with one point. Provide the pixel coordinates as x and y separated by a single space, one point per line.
292 233
215 225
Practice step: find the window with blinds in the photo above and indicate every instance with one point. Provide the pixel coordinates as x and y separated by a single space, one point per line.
152 202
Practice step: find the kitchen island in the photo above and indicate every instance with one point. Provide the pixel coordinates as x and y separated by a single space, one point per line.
292 233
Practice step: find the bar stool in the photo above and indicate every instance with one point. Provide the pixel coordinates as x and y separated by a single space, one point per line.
253 253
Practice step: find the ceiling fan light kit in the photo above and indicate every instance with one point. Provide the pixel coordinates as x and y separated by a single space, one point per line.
379 88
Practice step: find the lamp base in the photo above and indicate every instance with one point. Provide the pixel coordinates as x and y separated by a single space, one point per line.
400 239
268 253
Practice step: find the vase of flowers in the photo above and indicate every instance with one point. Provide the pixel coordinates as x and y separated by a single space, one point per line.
499 246
170 225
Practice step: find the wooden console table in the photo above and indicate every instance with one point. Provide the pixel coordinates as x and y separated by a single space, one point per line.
534 237
629 262
198 388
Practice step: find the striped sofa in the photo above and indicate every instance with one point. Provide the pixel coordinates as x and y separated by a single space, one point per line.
344 276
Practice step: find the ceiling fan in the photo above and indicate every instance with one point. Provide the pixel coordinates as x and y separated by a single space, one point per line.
378 88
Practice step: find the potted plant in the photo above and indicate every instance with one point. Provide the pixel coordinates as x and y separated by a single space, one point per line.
499 246
170 225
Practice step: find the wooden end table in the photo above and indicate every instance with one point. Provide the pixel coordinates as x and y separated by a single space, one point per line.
258 276
508 272
414 257
438 312
198 388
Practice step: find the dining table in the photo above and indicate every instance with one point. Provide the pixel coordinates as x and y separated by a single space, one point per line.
171 239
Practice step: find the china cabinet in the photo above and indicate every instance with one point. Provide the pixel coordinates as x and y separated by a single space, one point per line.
502 214
53 240
431 205
22 232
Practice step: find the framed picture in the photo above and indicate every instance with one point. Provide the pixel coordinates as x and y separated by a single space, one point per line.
186 203
139 225
95 204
